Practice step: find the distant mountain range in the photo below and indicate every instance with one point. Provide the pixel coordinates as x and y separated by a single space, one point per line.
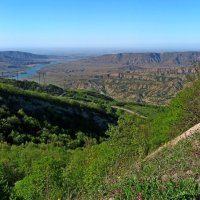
132 60
141 60
143 77
20 58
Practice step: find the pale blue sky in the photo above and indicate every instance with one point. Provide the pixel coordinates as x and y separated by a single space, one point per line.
135 24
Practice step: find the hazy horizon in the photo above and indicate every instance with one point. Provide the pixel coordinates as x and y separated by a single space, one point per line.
93 51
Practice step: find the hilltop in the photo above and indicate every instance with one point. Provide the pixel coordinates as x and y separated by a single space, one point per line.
145 60
140 60
18 58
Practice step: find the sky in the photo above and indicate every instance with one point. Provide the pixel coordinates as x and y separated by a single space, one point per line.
115 24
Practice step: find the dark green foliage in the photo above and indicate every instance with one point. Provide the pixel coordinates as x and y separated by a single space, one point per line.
4 189
40 118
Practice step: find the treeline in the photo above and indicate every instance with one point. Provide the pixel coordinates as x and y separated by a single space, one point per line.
31 116
89 99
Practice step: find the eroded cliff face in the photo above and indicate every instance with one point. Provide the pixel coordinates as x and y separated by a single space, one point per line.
143 77
149 86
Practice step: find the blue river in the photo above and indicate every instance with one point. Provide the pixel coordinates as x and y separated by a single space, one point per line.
32 71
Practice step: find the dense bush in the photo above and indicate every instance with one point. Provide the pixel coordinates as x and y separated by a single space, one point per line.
29 116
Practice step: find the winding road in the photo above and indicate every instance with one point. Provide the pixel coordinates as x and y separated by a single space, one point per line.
128 111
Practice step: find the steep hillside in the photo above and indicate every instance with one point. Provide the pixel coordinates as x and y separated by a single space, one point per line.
173 173
30 116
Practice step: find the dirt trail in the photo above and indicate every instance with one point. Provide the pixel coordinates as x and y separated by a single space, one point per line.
188 133
129 111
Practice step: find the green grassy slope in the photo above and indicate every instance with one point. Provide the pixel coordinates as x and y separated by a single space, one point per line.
173 173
